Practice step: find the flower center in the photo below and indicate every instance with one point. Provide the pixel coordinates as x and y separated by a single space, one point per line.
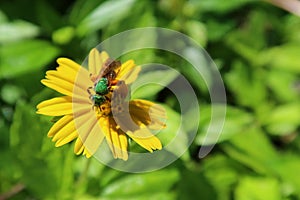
104 109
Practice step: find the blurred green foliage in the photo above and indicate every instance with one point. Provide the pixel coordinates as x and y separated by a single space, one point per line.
256 47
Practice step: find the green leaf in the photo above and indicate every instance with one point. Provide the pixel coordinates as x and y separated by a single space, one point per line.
197 31
17 30
222 172
198 186
25 56
236 122
48 17
292 28
244 42
258 188
136 185
252 148
283 84
204 68
11 93
63 35
32 149
287 169
17 133
141 56
216 6
217 30
103 15
149 83
3 18
175 130
284 119
247 85
81 8
26 144
284 57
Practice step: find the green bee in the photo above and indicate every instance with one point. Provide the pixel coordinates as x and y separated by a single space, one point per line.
104 81
101 89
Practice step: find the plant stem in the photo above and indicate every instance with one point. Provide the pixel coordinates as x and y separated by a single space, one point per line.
13 191
80 185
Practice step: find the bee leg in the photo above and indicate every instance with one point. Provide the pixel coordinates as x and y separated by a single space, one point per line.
89 90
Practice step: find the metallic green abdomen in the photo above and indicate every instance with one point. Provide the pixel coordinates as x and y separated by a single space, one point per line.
101 87
98 99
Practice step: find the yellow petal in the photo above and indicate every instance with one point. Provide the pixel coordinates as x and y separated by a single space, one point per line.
145 139
152 124
148 113
125 122
83 79
82 110
62 128
62 122
63 106
116 140
63 74
104 56
56 106
57 82
68 63
79 148
128 72
68 76
96 61
64 140
124 145
104 123
69 72
89 131
61 86
86 153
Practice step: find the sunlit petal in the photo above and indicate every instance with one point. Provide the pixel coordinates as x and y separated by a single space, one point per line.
115 139
59 87
86 153
68 63
96 61
62 122
104 123
78 148
104 56
64 140
145 139
56 106
124 144
89 131
148 113
69 75
129 72
66 78
62 128
118 140
64 74
65 86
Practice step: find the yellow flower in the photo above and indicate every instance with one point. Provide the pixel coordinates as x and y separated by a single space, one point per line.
88 120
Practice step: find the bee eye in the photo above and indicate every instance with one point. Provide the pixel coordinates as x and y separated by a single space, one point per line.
112 75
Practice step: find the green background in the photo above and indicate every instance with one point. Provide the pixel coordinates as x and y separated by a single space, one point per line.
256 48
